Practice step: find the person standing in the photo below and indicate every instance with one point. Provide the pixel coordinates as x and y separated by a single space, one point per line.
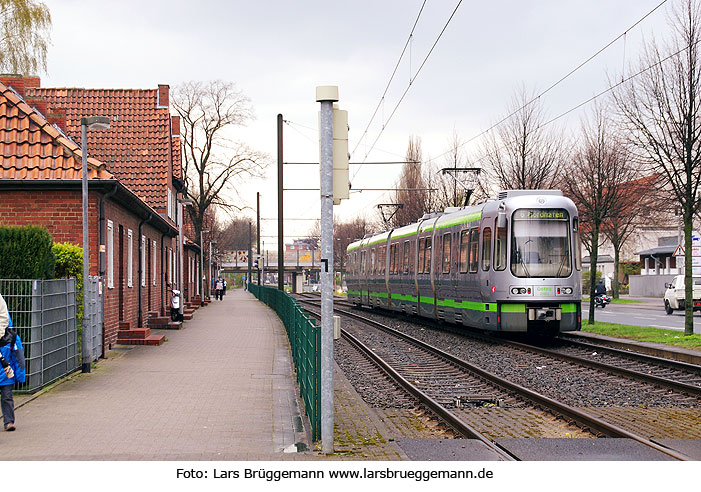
13 366
223 292
219 289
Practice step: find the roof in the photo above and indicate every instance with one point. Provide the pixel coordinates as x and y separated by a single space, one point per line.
32 148
137 148
660 250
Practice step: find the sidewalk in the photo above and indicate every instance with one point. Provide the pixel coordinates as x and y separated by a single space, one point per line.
220 389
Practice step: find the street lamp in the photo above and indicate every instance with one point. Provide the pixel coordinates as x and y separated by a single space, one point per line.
92 123
181 202
202 263
209 269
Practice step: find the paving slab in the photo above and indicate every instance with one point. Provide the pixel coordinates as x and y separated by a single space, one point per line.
689 447
447 450
222 389
609 449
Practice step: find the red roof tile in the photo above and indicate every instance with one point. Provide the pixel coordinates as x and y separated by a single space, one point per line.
137 148
30 148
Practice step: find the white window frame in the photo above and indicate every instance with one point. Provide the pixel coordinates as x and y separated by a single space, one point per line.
170 265
143 260
110 254
153 251
130 258
170 204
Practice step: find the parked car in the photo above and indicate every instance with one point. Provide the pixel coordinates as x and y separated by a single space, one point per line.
675 294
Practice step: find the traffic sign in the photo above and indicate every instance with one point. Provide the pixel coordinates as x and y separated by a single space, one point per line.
679 251
242 256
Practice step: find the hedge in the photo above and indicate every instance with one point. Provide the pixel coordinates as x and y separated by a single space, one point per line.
26 253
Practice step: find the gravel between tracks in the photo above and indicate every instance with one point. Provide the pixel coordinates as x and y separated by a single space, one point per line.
573 385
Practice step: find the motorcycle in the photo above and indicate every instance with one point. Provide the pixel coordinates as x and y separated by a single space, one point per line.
601 300
175 301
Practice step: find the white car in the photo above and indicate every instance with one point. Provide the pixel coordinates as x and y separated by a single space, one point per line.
675 294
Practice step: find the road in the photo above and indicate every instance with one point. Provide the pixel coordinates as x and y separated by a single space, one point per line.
649 313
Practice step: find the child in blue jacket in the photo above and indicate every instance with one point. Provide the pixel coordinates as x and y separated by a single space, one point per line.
13 365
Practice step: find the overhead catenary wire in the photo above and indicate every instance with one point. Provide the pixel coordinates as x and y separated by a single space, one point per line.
558 82
411 81
394 72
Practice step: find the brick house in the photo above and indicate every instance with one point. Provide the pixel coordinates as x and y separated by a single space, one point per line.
134 173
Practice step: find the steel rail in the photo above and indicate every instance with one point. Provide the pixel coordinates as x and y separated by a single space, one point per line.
584 419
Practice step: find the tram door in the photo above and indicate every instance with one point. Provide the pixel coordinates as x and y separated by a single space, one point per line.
443 273
364 273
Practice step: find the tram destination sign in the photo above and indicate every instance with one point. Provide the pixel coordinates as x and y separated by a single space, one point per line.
541 214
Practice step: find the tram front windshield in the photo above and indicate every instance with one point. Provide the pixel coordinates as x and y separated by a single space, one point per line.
540 243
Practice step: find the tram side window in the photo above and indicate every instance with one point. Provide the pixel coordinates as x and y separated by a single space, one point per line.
474 249
392 247
577 245
486 248
427 256
422 249
362 263
446 253
463 251
412 255
381 252
354 264
405 253
499 248
373 261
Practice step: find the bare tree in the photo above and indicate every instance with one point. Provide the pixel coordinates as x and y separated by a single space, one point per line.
637 198
24 36
411 188
212 162
521 153
598 169
234 234
345 233
660 111
450 190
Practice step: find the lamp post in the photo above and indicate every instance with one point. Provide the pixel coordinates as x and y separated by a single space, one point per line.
188 202
202 263
92 123
209 269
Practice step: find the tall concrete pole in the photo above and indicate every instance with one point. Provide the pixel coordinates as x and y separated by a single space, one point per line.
280 236
260 258
86 353
326 95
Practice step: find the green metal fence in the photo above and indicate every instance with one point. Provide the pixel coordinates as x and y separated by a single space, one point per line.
305 340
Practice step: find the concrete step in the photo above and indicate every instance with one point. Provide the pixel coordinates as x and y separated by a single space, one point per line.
187 316
125 325
149 340
136 333
158 322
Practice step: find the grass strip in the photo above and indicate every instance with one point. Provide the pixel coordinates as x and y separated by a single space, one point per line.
618 301
644 334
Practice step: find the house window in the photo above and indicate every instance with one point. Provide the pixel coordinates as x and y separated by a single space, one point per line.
170 265
110 255
153 251
170 204
143 261
130 258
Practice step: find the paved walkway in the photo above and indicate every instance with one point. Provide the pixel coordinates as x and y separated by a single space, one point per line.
220 389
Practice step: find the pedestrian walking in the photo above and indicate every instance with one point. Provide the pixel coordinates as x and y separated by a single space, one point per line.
13 365
219 289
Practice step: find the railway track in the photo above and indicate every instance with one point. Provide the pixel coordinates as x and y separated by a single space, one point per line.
453 388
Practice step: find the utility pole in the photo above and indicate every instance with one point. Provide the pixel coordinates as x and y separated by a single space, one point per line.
258 233
250 255
326 95
280 237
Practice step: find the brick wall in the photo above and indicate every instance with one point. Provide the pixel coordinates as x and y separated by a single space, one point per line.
60 211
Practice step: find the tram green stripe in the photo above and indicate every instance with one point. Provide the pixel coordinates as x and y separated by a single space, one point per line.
461 220
513 308
568 308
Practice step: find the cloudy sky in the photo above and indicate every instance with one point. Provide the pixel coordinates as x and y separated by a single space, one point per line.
277 52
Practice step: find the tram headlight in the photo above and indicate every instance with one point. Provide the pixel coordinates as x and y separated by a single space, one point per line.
565 290
520 290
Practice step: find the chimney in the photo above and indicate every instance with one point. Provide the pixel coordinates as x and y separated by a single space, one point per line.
32 82
14 81
39 104
57 117
175 126
163 100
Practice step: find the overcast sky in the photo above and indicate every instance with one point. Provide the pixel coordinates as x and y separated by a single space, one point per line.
277 52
